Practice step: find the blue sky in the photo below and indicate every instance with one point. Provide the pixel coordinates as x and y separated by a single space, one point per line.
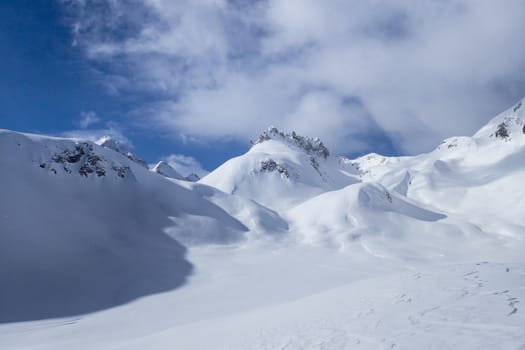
201 78
47 84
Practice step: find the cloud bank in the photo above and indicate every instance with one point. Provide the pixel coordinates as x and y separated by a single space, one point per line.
412 71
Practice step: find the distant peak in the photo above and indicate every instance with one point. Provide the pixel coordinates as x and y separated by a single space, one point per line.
312 145
508 126
107 141
165 169
120 147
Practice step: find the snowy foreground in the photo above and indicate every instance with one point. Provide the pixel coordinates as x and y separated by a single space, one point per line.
285 247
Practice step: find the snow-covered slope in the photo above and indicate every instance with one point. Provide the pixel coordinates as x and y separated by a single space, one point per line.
475 178
84 228
261 221
281 170
284 247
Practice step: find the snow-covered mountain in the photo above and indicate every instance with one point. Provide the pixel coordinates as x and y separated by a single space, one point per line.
164 169
279 163
476 178
120 147
167 170
286 246
84 228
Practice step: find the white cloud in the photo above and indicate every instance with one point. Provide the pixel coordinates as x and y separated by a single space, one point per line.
185 165
87 119
111 130
416 70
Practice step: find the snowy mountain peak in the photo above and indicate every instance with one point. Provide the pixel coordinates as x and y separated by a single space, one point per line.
312 146
282 169
507 126
120 147
86 161
166 170
63 156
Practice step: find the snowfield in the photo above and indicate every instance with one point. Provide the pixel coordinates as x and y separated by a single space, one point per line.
284 247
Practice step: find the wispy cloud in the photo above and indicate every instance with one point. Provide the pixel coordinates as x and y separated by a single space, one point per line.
416 71
87 119
111 129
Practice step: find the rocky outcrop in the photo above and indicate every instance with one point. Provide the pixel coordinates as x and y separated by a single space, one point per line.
312 146
83 159
502 132
270 165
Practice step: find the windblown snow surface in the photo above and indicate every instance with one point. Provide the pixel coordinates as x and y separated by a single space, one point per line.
284 247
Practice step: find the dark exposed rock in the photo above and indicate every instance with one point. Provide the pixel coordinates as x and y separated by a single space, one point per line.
93 159
192 177
72 156
388 196
270 165
85 170
84 158
100 171
122 171
314 163
502 131
313 146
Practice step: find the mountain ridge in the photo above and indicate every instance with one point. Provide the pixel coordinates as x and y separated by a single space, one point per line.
89 236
